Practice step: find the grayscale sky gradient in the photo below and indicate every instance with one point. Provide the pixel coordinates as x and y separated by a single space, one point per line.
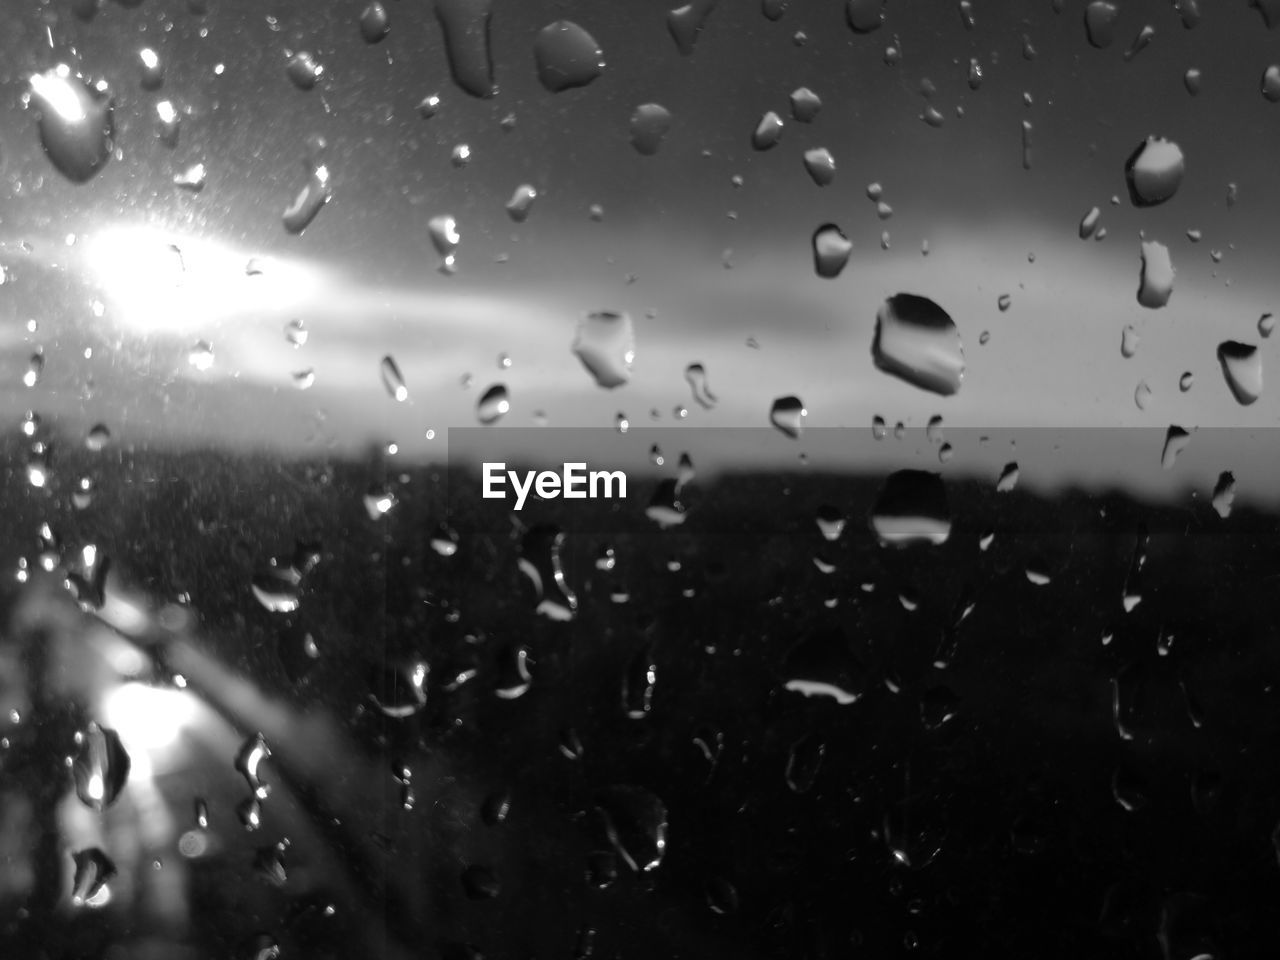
363 276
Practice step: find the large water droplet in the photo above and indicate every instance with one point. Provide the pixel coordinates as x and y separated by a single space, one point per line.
100 768
864 16
1242 367
493 404
685 23
912 508
465 24
649 126
917 341
831 251
75 122
606 345
374 23
787 414
1271 83
820 165
1155 284
566 56
304 70
805 105
1154 171
635 821
768 131
1099 23
93 869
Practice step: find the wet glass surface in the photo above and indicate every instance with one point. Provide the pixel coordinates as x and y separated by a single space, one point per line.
775 479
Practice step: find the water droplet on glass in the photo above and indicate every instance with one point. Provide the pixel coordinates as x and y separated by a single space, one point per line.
1089 223
1271 83
635 821
400 691
168 123
912 508
831 251
249 813
820 165
314 194
74 120
1140 42
100 768
1129 340
268 863
605 343
864 16
1026 144
1008 478
93 869
773 9
917 341
932 116
805 105
540 561
768 131
1176 440
821 665
1154 171
566 56
685 23
804 762
304 70
393 380
374 23
695 374
493 404
1242 367
192 178
1099 22
466 25
1155 284
665 508
513 678
650 124
787 414
429 106
248 763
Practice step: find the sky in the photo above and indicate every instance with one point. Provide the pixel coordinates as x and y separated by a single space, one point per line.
702 265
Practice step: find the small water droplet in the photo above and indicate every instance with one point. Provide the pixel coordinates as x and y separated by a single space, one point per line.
248 763
1186 381
650 124
1008 478
313 194
1224 494
393 380
1129 340
429 106
1142 395
1176 440
1089 223
400 690
804 762
686 22
493 404
1155 284
100 768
